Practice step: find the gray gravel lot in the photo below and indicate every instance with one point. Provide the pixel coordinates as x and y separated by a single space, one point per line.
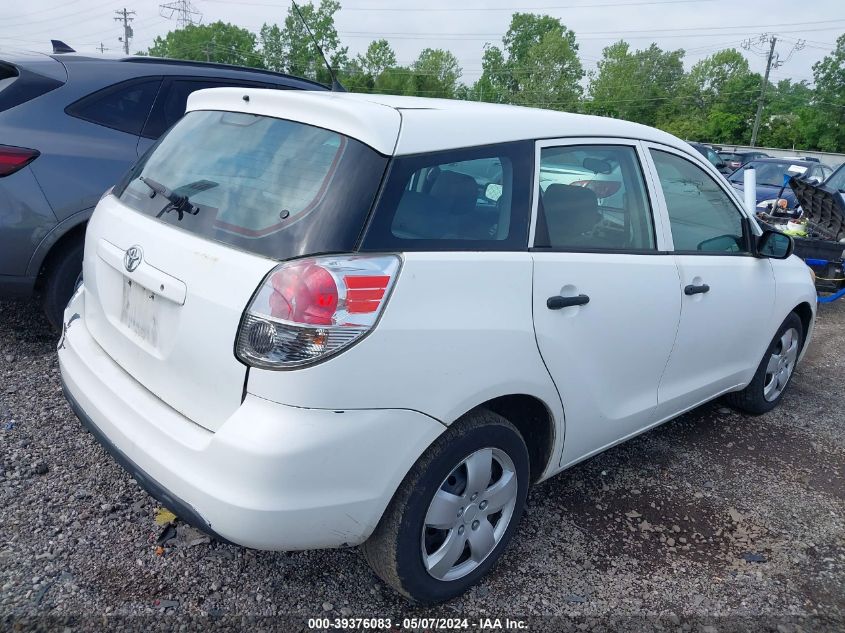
713 514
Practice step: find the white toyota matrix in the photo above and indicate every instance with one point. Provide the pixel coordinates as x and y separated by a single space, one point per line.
318 320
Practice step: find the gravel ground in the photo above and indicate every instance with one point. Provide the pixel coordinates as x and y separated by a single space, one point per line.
715 517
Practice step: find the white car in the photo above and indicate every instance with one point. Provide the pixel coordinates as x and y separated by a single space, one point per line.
324 320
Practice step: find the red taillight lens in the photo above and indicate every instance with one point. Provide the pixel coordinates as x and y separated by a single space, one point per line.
13 159
303 293
365 292
310 308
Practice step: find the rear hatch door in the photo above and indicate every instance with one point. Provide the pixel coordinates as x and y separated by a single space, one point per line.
174 255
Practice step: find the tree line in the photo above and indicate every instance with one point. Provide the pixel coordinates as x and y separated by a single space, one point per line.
537 64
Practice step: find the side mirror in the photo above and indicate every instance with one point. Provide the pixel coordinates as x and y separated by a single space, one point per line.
775 245
721 165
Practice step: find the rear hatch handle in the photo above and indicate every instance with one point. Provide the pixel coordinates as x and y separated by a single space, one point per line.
155 280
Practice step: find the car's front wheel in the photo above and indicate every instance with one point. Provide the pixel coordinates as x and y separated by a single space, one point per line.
774 373
455 511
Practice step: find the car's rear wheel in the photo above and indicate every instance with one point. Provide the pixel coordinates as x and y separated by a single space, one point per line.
774 373
455 512
63 274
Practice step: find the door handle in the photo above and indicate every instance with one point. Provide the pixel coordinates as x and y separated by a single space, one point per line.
558 302
696 290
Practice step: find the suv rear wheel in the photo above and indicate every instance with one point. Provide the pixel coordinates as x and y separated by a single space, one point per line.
455 512
63 274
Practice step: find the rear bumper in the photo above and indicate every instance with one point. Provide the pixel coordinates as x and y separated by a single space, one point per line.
272 477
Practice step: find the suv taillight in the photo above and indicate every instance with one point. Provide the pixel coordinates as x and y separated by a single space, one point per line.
14 158
308 309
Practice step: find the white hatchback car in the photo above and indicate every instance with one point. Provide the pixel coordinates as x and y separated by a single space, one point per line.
324 320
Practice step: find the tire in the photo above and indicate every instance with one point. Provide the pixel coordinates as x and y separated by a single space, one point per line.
762 395
402 541
63 273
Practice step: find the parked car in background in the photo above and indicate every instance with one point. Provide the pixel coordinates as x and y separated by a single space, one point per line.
710 154
837 179
70 127
773 194
735 160
300 328
810 159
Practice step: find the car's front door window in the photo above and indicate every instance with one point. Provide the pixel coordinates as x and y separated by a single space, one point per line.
702 216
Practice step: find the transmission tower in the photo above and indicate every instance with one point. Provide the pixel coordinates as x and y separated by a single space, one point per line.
758 46
184 12
125 17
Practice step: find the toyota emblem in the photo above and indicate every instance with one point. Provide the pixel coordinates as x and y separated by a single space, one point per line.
132 258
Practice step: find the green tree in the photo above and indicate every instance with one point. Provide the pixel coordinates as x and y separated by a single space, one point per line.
360 73
829 100
435 73
635 85
494 83
715 101
291 50
378 58
218 42
786 114
537 65
398 80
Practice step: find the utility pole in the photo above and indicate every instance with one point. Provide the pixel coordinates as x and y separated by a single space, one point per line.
102 48
773 61
124 16
763 85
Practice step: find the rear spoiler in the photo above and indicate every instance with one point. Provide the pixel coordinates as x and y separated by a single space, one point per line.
823 206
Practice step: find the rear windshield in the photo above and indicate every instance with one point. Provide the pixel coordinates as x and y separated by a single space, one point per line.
269 186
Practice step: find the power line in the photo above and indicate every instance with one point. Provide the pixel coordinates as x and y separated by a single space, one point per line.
613 35
610 32
484 9
185 12
58 18
124 16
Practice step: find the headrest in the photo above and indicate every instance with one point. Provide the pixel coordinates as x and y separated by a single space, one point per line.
458 191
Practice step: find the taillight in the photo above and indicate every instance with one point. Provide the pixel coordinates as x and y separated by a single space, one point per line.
14 158
308 309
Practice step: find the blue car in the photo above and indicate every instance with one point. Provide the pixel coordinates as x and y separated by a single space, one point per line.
773 194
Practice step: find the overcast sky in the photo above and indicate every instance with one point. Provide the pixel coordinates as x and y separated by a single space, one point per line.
698 26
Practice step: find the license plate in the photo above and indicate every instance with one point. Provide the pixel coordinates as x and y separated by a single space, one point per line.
138 311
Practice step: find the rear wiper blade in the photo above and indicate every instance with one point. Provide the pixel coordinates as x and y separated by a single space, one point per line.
175 202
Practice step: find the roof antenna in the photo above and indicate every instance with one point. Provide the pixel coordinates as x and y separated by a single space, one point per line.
60 47
336 85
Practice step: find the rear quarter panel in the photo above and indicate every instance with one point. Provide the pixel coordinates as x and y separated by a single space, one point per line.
456 332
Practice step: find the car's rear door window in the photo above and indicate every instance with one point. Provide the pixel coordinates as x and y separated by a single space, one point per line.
124 106
593 197
467 199
269 186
